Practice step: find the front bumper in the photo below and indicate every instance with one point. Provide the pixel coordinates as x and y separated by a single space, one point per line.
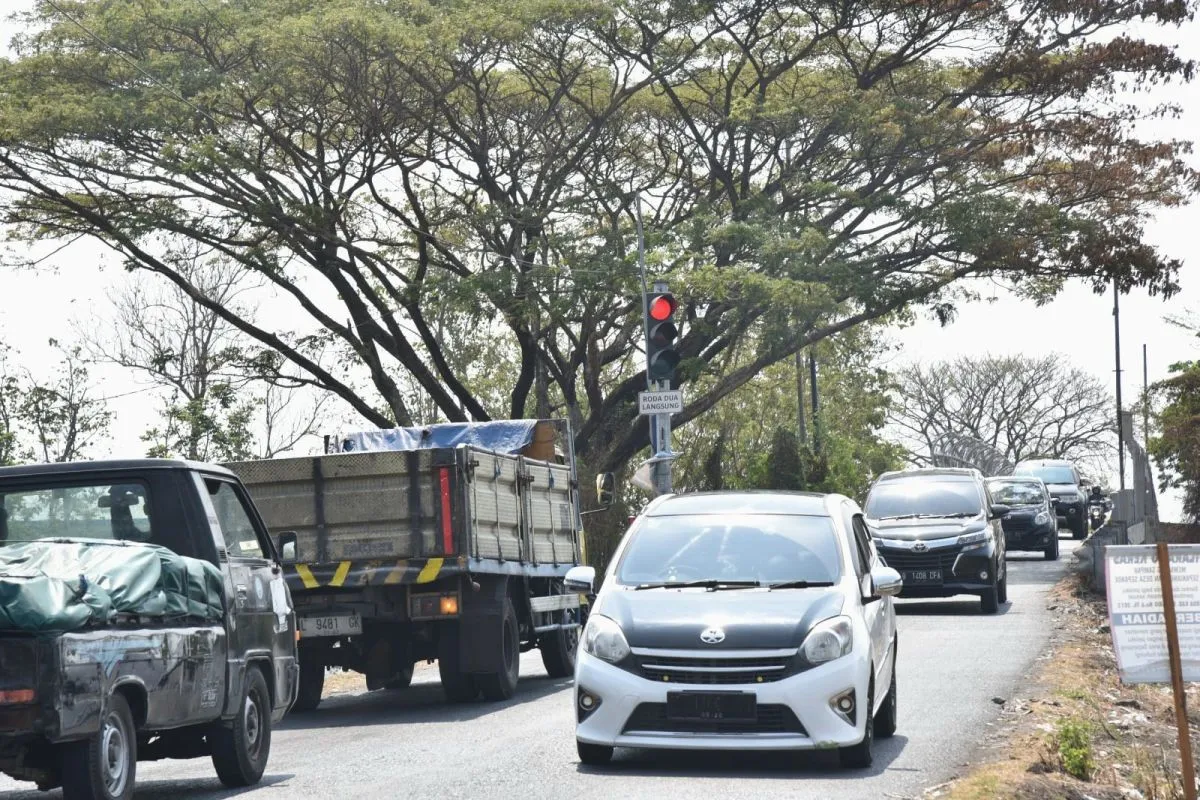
1038 537
801 704
964 571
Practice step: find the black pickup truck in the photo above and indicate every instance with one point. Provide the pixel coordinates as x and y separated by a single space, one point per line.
81 705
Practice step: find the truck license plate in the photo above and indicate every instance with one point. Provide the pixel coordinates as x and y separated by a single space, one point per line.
331 625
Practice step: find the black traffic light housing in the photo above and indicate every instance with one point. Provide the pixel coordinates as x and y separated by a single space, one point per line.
661 356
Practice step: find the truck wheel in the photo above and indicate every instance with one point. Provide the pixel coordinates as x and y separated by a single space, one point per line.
559 647
458 686
240 752
103 766
402 679
311 682
502 684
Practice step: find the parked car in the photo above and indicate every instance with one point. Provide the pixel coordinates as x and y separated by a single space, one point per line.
1065 483
940 530
1031 524
741 621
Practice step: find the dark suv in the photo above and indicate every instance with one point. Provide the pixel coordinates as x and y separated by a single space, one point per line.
1063 480
941 531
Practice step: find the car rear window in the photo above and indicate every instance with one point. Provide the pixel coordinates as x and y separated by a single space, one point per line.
1048 474
742 547
923 497
1017 494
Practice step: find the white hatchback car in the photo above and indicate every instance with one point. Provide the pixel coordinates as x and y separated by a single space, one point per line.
739 620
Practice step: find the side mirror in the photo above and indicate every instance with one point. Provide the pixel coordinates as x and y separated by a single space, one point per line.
286 543
998 511
1054 501
886 582
606 485
580 580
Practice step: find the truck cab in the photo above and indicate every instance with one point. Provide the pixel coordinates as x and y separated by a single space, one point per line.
177 638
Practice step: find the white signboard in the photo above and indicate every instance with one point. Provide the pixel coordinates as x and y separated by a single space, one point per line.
1135 611
660 402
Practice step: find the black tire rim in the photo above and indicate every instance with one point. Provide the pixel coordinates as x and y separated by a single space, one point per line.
252 722
114 755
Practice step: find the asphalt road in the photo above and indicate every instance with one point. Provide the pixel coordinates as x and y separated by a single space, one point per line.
953 662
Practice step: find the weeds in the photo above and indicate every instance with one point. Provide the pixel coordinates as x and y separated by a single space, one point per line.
1075 748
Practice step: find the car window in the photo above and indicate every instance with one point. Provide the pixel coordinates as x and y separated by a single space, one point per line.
863 546
1017 494
742 547
922 497
1048 473
93 511
241 540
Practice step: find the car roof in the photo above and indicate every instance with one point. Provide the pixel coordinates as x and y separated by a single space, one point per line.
1045 462
1015 479
110 465
744 502
960 473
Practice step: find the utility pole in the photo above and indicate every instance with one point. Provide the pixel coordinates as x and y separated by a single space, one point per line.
1120 422
801 427
816 420
1145 401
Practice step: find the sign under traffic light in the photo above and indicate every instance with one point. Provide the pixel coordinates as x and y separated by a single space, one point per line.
661 356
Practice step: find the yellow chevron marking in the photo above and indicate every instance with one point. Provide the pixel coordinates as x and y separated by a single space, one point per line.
307 577
396 575
339 576
430 570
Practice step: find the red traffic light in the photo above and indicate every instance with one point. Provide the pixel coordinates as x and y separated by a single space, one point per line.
662 307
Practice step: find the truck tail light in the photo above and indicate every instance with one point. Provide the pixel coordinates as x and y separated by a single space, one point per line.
16 697
433 606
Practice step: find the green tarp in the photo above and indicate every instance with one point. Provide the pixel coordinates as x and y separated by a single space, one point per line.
68 584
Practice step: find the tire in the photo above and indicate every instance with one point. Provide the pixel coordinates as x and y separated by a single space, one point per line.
1051 551
456 685
1002 588
402 680
502 684
103 766
240 752
1079 530
559 647
859 756
885 720
593 755
311 682
989 601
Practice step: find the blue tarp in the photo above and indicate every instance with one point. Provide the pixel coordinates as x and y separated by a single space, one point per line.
505 436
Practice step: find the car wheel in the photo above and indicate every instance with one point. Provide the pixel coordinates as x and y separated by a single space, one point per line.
240 752
103 766
593 755
458 686
859 756
1051 550
501 684
885 720
1002 588
1079 528
989 601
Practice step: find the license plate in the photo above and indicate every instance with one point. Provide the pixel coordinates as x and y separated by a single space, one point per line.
331 625
923 576
712 706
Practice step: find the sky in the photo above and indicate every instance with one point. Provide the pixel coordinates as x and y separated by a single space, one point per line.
71 288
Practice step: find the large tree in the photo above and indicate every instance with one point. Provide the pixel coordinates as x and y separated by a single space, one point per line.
1176 445
1019 406
805 167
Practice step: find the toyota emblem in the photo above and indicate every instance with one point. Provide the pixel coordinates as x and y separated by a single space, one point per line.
713 636
920 547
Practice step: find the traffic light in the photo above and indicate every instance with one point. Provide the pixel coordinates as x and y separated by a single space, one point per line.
661 356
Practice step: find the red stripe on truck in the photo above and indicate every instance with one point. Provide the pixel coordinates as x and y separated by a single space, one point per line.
447 527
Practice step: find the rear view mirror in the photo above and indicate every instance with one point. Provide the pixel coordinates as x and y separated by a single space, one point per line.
286 542
580 580
886 582
998 511
606 485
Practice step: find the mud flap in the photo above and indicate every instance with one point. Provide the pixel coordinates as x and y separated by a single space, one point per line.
480 642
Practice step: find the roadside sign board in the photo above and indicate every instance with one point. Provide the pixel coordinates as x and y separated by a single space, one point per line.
669 402
1136 615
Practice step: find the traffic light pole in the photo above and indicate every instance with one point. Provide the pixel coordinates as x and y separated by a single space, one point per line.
660 424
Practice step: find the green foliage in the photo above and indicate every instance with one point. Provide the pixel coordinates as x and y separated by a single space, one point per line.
1176 448
1074 740
783 467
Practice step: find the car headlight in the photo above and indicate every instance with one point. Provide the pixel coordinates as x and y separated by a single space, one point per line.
1041 519
971 541
603 638
828 640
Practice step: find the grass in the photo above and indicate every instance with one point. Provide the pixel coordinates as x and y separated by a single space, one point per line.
1075 748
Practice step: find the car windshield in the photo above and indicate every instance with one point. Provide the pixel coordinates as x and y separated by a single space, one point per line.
751 548
97 511
1048 474
923 498
1017 494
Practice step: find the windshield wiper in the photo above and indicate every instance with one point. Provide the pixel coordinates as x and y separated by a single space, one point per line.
798 585
960 515
714 585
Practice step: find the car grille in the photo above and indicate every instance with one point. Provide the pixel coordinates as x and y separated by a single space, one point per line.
1018 525
908 560
652 718
713 671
